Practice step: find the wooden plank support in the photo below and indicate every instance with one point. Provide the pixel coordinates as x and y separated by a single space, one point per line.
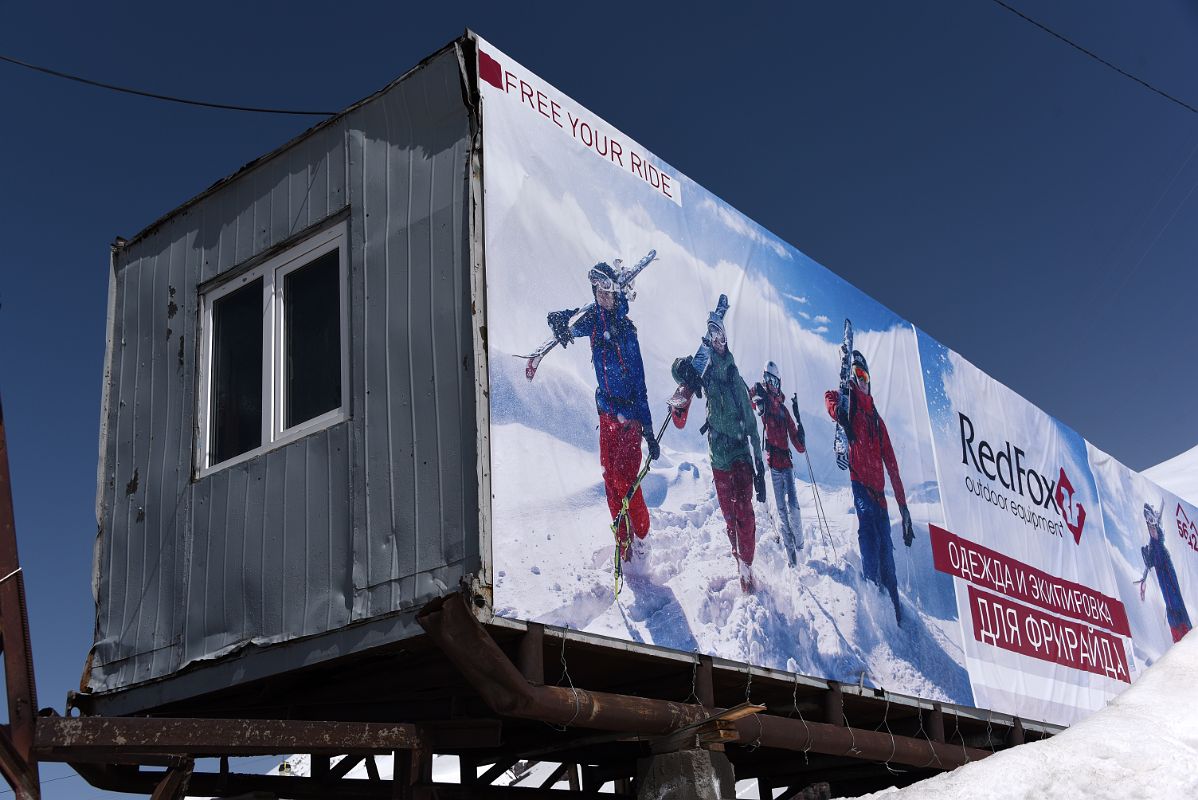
173 785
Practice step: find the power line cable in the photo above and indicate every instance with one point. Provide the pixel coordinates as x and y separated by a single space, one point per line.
168 98
1096 57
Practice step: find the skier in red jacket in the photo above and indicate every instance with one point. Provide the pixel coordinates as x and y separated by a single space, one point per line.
869 452
780 433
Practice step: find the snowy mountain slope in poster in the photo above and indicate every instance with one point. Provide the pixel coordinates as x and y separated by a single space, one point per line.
1160 601
564 192
1045 633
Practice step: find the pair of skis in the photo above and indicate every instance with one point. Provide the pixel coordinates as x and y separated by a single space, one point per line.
678 406
623 286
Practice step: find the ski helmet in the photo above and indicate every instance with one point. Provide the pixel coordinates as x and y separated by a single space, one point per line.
859 363
1152 516
604 278
715 329
770 375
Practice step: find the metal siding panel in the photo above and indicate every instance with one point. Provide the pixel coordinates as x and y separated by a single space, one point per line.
255 569
427 500
402 164
305 537
317 564
293 589
280 198
444 303
273 543
370 168
341 551
230 621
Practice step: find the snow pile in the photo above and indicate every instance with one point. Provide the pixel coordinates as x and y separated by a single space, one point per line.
1179 475
1143 744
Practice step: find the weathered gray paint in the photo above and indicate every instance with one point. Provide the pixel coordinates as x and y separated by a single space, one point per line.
358 521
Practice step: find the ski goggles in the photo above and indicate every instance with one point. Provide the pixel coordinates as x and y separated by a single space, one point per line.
716 334
860 374
602 281
773 381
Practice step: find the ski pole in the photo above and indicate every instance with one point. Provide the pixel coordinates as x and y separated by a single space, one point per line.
819 503
819 509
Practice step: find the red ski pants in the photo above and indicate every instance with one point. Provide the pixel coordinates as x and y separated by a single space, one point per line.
734 488
620 456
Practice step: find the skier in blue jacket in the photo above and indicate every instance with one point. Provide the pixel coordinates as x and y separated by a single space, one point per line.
1157 557
620 397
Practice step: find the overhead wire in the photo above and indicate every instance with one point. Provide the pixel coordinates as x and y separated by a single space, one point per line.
1096 57
165 97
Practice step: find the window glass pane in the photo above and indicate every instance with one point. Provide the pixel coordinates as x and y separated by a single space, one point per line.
237 372
312 339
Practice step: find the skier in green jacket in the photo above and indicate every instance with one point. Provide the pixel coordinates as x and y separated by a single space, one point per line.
731 431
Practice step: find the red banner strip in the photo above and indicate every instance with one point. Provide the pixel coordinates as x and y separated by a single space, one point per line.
1028 631
988 568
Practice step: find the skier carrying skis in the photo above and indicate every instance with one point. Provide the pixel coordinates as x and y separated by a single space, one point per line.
781 432
1156 556
620 398
730 430
869 451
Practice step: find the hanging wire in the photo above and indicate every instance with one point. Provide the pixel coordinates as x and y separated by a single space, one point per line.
166 97
893 743
931 745
794 699
565 676
760 726
694 695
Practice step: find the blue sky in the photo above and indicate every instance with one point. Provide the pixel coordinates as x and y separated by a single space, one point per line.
1003 192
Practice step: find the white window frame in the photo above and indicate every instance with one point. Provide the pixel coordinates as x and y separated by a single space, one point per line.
274 359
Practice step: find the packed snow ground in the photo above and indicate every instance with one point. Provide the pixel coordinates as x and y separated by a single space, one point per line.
819 618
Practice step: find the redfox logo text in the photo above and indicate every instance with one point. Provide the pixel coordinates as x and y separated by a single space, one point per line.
1006 465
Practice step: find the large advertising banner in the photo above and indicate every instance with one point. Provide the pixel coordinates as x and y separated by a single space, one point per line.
1043 624
745 539
702 439
1153 537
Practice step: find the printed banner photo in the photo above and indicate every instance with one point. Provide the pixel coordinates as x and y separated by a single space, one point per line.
729 359
1153 537
703 440
1046 632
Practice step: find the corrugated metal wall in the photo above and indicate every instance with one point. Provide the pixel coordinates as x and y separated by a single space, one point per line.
367 517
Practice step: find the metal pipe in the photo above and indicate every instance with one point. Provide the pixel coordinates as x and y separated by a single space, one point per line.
452 626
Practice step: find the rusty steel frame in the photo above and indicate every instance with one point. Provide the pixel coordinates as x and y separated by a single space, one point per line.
453 627
16 739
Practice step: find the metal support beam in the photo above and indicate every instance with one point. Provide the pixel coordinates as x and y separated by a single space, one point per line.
79 738
704 687
936 723
17 761
1015 736
834 705
531 657
452 626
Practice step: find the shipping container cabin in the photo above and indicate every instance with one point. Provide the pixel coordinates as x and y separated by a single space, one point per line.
288 457
295 460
